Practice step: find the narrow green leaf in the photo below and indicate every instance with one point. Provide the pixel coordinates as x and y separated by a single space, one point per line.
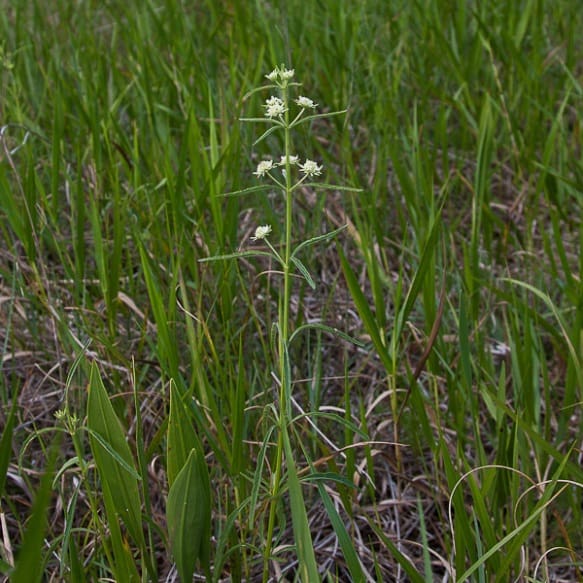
327 186
304 271
266 134
303 120
107 438
250 190
235 256
364 311
308 569
422 270
328 477
30 557
75 563
257 476
350 556
188 512
405 563
165 344
318 239
329 330
6 444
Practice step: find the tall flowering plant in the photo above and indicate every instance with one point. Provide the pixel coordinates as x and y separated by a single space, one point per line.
287 172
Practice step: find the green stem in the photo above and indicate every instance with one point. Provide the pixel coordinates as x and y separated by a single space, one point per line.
283 340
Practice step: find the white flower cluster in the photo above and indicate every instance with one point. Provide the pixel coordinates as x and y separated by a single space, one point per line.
263 168
274 107
280 74
309 167
306 102
261 232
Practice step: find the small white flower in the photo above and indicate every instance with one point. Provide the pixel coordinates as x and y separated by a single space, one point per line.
263 168
273 75
286 74
292 160
261 232
310 168
306 102
274 107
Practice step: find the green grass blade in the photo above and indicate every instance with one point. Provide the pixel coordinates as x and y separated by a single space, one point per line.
308 568
350 556
6 444
29 561
364 311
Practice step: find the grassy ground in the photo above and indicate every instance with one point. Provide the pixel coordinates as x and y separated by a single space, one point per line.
159 418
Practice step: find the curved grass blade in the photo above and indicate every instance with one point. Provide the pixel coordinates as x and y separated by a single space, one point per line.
329 330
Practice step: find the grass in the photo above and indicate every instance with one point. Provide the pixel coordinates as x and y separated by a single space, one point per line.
141 389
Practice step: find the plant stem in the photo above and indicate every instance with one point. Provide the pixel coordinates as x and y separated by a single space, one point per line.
283 340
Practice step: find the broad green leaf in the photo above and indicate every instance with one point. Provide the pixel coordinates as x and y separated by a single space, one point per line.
123 564
105 428
182 438
188 513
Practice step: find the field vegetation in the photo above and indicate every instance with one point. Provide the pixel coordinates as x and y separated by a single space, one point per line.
384 382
